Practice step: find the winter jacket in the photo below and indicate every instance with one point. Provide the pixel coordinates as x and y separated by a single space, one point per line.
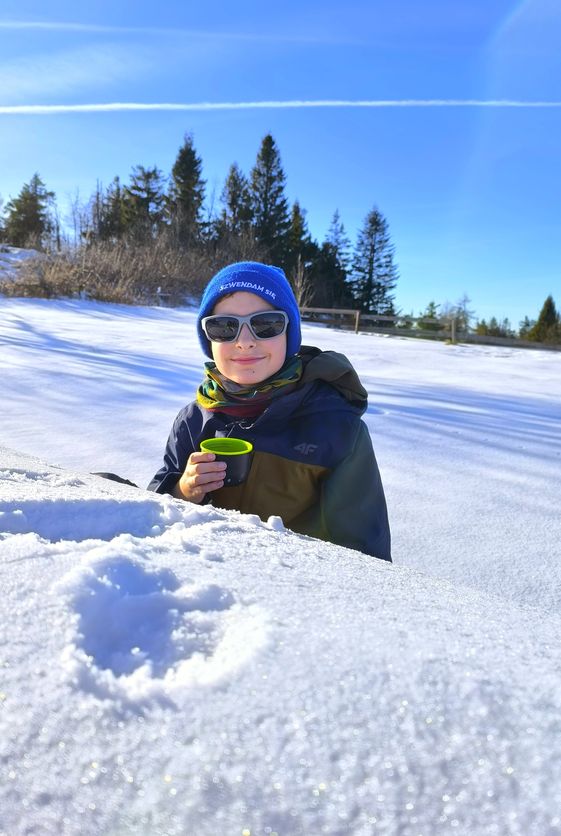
313 463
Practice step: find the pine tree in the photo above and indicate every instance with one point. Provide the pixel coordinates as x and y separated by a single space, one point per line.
187 194
548 326
494 328
108 213
300 248
330 269
430 313
504 328
331 290
374 273
237 215
144 203
463 313
270 207
339 242
525 327
29 216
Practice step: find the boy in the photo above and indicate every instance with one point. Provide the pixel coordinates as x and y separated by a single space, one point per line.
301 408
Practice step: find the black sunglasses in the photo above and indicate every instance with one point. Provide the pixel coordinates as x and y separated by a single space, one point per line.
225 328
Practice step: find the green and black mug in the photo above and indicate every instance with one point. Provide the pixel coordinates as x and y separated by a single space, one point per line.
237 454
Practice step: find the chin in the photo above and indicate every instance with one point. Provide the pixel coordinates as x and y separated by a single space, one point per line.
251 375
246 377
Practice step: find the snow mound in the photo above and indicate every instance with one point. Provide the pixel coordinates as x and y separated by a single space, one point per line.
11 259
159 636
218 674
56 507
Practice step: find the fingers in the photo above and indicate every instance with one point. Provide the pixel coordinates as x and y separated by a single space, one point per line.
202 475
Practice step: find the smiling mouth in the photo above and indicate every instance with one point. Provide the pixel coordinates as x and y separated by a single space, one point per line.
247 360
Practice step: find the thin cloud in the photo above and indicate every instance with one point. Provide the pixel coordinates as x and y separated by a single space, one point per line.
60 27
67 72
98 28
115 107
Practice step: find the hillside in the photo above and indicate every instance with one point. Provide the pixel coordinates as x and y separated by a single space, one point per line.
169 668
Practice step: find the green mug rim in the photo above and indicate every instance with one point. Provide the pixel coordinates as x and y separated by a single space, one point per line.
225 442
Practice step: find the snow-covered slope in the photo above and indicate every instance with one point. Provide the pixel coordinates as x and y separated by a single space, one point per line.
11 259
468 438
174 669
171 669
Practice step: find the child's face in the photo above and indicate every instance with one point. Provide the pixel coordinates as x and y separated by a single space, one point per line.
247 360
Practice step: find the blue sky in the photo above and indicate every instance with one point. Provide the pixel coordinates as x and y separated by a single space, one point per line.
471 190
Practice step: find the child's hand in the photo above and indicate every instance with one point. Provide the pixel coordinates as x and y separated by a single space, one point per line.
202 475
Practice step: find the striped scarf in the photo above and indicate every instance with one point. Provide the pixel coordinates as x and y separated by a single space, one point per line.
220 394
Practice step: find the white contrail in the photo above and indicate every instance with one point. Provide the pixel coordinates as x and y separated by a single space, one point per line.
31 110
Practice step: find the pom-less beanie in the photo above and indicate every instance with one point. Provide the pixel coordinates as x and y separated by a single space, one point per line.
266 281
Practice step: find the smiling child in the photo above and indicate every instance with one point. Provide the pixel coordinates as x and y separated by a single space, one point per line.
313 463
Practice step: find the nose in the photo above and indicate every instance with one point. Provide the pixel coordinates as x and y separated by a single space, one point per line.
245 337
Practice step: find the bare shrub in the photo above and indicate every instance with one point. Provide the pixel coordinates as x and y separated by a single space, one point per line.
302 284
129 273
238 247
117 272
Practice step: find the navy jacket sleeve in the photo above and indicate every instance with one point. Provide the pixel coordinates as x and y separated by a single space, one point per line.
178 449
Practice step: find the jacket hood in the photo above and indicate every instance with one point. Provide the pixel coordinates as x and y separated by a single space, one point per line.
336 369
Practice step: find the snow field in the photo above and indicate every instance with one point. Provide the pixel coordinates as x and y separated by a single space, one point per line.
169 669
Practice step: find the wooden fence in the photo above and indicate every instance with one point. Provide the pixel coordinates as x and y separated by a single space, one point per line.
448 328
382 323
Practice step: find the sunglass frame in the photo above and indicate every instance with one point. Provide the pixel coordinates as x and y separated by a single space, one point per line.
243 320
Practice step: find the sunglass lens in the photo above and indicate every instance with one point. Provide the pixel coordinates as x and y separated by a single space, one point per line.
222 329
267 325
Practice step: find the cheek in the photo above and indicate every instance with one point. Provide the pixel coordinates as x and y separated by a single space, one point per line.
278 355
217 353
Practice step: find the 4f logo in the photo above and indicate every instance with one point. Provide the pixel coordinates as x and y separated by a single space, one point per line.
306 449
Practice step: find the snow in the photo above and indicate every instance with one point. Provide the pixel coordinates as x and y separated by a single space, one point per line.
167 668
11 258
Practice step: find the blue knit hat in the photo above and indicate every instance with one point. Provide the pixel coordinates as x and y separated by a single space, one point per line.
265 281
